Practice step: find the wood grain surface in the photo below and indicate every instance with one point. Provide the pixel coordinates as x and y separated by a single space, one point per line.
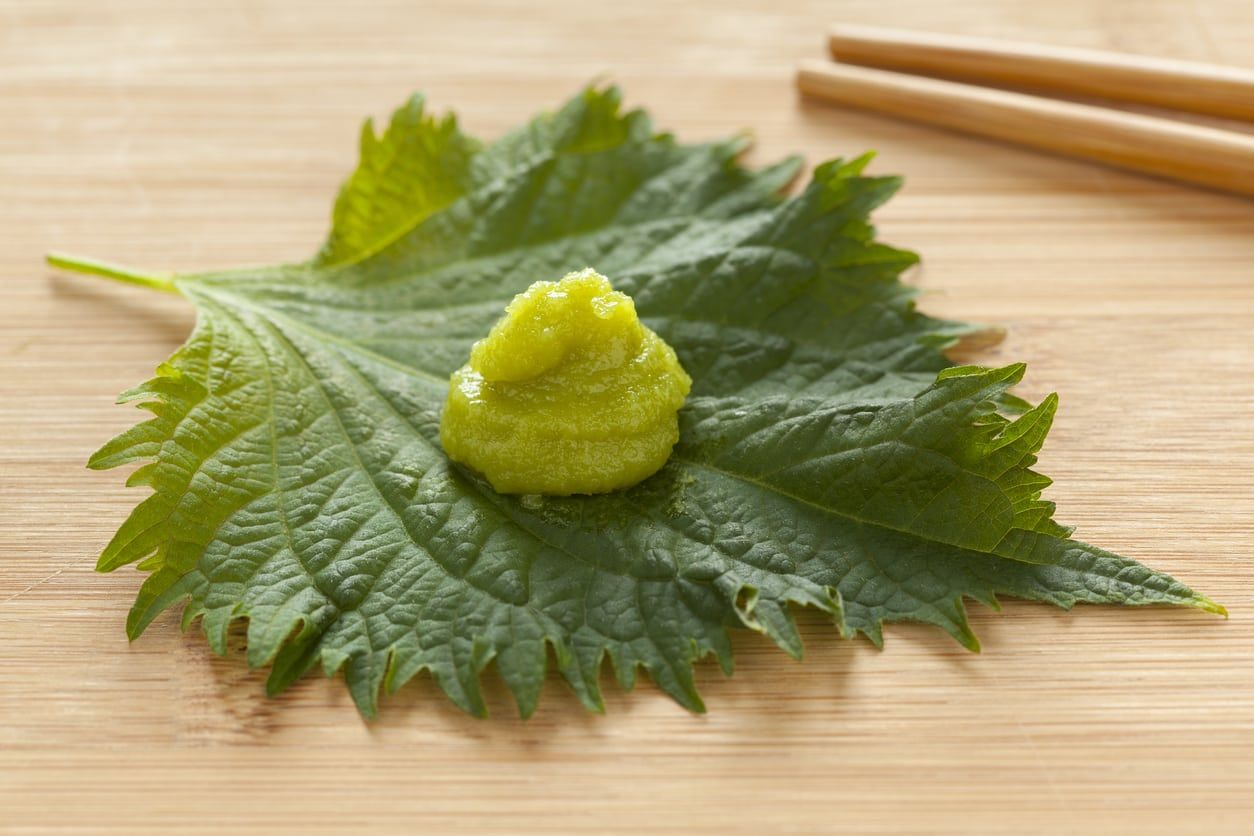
197 135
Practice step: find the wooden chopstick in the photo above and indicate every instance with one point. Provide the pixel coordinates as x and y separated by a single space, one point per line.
1177 150
1178 85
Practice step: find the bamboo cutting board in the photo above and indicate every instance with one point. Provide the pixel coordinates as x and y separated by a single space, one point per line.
188 135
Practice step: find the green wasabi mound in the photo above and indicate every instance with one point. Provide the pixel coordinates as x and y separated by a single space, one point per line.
568 394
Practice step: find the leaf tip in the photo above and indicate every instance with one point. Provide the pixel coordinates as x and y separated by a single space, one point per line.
859 163
690 699
874 633
1207 605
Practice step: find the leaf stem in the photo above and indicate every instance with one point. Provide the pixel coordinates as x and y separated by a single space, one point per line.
76 264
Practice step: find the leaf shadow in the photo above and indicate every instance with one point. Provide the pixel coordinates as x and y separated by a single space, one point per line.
226 702
167 318
766 684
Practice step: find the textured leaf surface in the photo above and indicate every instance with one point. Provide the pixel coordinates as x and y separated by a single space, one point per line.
830 456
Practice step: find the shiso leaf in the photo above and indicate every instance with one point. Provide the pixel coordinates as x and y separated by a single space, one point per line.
830 455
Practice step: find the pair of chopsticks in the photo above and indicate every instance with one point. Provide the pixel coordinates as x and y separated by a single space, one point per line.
876 72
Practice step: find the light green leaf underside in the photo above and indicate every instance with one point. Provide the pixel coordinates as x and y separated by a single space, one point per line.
829 454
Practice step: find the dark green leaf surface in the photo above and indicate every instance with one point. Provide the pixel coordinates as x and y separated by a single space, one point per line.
829 456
